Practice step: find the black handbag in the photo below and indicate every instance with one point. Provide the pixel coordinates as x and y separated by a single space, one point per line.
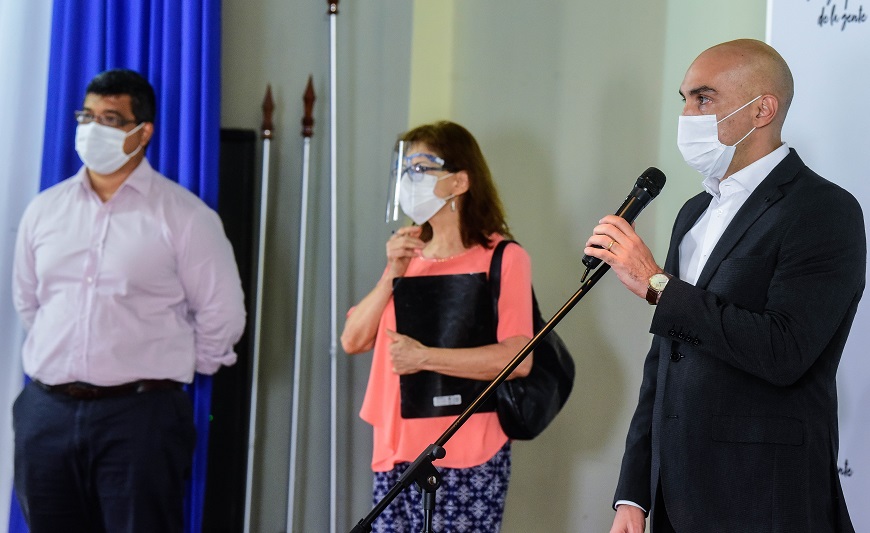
526 406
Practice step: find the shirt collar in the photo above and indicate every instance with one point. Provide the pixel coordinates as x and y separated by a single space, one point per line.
751 176
139 180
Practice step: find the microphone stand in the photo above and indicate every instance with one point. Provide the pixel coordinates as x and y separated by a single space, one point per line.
422 472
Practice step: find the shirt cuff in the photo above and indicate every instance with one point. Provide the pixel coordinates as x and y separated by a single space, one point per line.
626 502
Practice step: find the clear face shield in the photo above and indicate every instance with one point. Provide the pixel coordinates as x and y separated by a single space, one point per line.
411 167
394 186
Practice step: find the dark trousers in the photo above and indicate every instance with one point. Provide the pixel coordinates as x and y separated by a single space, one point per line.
105 465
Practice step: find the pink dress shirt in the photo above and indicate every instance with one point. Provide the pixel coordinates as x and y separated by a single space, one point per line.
143 286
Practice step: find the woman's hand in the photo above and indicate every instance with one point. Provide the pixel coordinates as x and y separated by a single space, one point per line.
408 355
361 326
404 245
482 362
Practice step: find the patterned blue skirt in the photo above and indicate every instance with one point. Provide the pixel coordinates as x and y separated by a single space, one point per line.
469 500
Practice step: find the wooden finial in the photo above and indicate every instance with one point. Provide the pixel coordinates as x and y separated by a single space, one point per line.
333 7
268 107
308 119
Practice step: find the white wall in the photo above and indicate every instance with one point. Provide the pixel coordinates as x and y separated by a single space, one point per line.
832 139
570 101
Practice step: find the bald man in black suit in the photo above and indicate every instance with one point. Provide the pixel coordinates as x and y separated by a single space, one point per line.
736 425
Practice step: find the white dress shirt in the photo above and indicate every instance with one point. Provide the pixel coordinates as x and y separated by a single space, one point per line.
729 195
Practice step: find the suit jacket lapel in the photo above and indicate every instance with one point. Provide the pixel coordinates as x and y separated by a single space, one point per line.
689 214
765 195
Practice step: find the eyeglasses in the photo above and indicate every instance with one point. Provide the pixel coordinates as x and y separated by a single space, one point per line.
417 170
113 121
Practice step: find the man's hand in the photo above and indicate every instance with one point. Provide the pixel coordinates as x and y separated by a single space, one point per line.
628 519
625 252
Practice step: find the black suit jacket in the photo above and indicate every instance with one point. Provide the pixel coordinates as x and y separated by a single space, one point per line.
737 416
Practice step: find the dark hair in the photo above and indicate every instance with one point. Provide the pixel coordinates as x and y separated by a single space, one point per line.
123 81
481 212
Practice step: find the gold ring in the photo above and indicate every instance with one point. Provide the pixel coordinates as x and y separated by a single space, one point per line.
610 245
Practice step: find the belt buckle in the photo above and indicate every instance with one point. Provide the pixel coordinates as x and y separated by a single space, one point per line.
83 391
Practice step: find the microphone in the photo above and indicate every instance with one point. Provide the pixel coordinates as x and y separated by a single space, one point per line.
647 187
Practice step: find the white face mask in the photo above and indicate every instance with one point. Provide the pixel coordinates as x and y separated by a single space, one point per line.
698 140
101 148
417 196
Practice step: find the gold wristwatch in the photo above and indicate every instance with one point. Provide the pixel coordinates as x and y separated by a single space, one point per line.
655 286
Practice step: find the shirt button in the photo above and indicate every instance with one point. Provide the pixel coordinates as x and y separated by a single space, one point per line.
90 279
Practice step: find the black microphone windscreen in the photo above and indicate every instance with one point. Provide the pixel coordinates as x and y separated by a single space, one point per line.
653 180
647 187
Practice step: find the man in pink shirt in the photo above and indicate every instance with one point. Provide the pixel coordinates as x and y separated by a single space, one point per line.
127 285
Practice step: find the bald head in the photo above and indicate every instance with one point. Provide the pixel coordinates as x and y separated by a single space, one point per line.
748 87
755 67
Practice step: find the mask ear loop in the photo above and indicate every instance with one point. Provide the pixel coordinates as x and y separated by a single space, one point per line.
451 197
745 136
134 130
138 148
738 109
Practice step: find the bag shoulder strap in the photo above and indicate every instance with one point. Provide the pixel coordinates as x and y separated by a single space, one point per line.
495 285
495 276
495 273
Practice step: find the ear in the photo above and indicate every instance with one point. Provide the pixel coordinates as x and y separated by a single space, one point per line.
147 132
767 108
460 183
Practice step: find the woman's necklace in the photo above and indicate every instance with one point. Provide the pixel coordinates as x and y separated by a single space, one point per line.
444 259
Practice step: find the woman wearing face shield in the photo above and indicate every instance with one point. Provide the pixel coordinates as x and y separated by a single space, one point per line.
431 321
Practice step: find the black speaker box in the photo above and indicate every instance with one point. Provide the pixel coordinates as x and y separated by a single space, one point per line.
230 408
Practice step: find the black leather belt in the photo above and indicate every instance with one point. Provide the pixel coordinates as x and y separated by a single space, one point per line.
85 391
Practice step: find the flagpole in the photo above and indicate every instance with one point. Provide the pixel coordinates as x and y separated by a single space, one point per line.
307 130
333 276
268 107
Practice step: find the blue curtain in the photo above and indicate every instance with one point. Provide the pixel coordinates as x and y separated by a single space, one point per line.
176 46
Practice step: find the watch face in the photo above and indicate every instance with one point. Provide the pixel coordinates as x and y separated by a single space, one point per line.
658 281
